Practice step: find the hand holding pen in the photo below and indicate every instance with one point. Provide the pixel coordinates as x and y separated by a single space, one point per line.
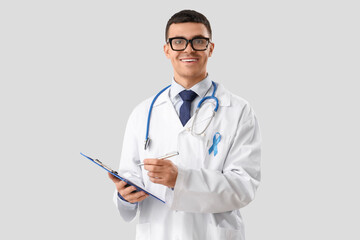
161 170
169 155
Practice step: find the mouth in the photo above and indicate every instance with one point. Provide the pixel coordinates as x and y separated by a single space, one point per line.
189 60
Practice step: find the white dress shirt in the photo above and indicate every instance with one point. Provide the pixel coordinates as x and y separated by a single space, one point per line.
204 87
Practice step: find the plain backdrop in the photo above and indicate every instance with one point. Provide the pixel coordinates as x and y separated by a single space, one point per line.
72 71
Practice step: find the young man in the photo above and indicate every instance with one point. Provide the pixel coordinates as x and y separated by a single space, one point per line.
217 170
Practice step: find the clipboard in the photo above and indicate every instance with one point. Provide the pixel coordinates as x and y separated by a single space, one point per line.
115 173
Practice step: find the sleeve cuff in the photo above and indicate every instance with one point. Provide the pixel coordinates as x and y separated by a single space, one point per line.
172 194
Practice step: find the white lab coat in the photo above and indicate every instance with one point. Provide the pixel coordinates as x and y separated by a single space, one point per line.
209 190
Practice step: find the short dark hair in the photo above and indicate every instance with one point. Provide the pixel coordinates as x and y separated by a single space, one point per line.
188 16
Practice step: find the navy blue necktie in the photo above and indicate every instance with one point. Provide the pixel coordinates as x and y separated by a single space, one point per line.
187 96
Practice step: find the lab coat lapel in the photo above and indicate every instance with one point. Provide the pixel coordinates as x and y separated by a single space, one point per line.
170 112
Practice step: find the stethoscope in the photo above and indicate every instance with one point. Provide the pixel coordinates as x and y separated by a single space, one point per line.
147 139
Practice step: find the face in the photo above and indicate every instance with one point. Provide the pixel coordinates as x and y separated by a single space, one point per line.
189 65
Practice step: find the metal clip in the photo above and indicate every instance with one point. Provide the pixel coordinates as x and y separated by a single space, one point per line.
147 143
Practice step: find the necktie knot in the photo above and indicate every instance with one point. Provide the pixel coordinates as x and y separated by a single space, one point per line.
188 95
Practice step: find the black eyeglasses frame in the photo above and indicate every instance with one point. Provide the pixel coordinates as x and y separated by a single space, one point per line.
191 43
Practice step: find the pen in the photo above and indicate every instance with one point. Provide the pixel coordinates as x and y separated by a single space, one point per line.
169 155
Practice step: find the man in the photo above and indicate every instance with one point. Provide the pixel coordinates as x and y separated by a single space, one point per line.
217 170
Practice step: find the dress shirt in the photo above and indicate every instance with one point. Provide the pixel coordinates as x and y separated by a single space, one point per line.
202 88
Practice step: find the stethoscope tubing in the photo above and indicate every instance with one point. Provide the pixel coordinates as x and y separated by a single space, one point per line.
210 97
147 140
149 116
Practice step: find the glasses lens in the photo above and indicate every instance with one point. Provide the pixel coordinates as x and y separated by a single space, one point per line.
178 43
200 44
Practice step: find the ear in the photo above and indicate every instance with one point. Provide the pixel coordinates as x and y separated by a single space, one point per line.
166 50
211 48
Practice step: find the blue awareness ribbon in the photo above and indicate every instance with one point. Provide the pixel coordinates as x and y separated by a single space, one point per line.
216 140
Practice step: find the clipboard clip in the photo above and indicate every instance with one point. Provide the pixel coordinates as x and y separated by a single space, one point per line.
104 166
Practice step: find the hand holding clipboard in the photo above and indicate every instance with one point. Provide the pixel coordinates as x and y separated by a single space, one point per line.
115 174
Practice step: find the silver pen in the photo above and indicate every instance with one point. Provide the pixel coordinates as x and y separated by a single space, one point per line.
169 155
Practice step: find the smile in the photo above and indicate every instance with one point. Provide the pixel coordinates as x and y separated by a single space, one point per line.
189 60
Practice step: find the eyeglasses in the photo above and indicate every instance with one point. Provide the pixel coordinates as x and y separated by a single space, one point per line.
197 43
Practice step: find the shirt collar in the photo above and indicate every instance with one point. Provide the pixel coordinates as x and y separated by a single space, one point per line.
201 88
222 94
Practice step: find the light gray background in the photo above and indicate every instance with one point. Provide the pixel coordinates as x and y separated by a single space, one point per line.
72 71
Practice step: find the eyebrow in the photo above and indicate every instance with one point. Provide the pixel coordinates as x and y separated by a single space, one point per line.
197 36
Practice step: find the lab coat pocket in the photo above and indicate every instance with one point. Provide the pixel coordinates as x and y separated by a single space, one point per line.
216 233
143 231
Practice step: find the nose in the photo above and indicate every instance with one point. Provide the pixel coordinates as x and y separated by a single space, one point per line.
189 48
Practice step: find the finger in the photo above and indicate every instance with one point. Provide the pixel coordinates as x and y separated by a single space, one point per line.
156 180
154 168
155 175
154 161
128 191
142 198
113 178
121 184
136 197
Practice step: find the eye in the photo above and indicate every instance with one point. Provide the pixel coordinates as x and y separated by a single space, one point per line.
199 41
178 41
